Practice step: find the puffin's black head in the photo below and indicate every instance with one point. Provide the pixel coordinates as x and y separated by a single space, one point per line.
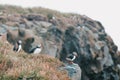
75 54
19 42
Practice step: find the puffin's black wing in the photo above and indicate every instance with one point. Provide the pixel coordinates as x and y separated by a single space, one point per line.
32 50
15 48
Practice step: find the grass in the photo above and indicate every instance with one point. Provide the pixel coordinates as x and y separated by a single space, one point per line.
38 10
19 66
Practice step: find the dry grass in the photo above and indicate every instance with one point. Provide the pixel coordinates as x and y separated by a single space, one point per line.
37 10
14 66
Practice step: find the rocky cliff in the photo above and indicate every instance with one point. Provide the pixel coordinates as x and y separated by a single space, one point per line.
62 34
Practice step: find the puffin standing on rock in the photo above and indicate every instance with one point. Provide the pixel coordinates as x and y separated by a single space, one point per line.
37 49
18 46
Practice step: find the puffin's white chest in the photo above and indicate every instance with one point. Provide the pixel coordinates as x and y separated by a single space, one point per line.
37 50
19 48
73 58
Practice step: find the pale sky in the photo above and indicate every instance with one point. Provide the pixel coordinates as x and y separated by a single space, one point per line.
105 11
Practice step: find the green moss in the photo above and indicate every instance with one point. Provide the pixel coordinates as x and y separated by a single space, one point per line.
1 44
31 76
50 16
4 77
23 55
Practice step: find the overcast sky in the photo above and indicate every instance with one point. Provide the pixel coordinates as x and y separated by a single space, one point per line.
105 11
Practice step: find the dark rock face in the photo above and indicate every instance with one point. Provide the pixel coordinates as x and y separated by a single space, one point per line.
53 41
71 43
97 53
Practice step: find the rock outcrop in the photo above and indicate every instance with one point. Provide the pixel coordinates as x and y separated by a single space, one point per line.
74 71
63 35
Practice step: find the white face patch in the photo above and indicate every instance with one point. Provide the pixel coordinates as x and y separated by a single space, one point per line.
39 45
19 48
20 41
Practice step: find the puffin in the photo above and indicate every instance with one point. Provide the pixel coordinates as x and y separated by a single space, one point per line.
37 49
72 57
18 46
